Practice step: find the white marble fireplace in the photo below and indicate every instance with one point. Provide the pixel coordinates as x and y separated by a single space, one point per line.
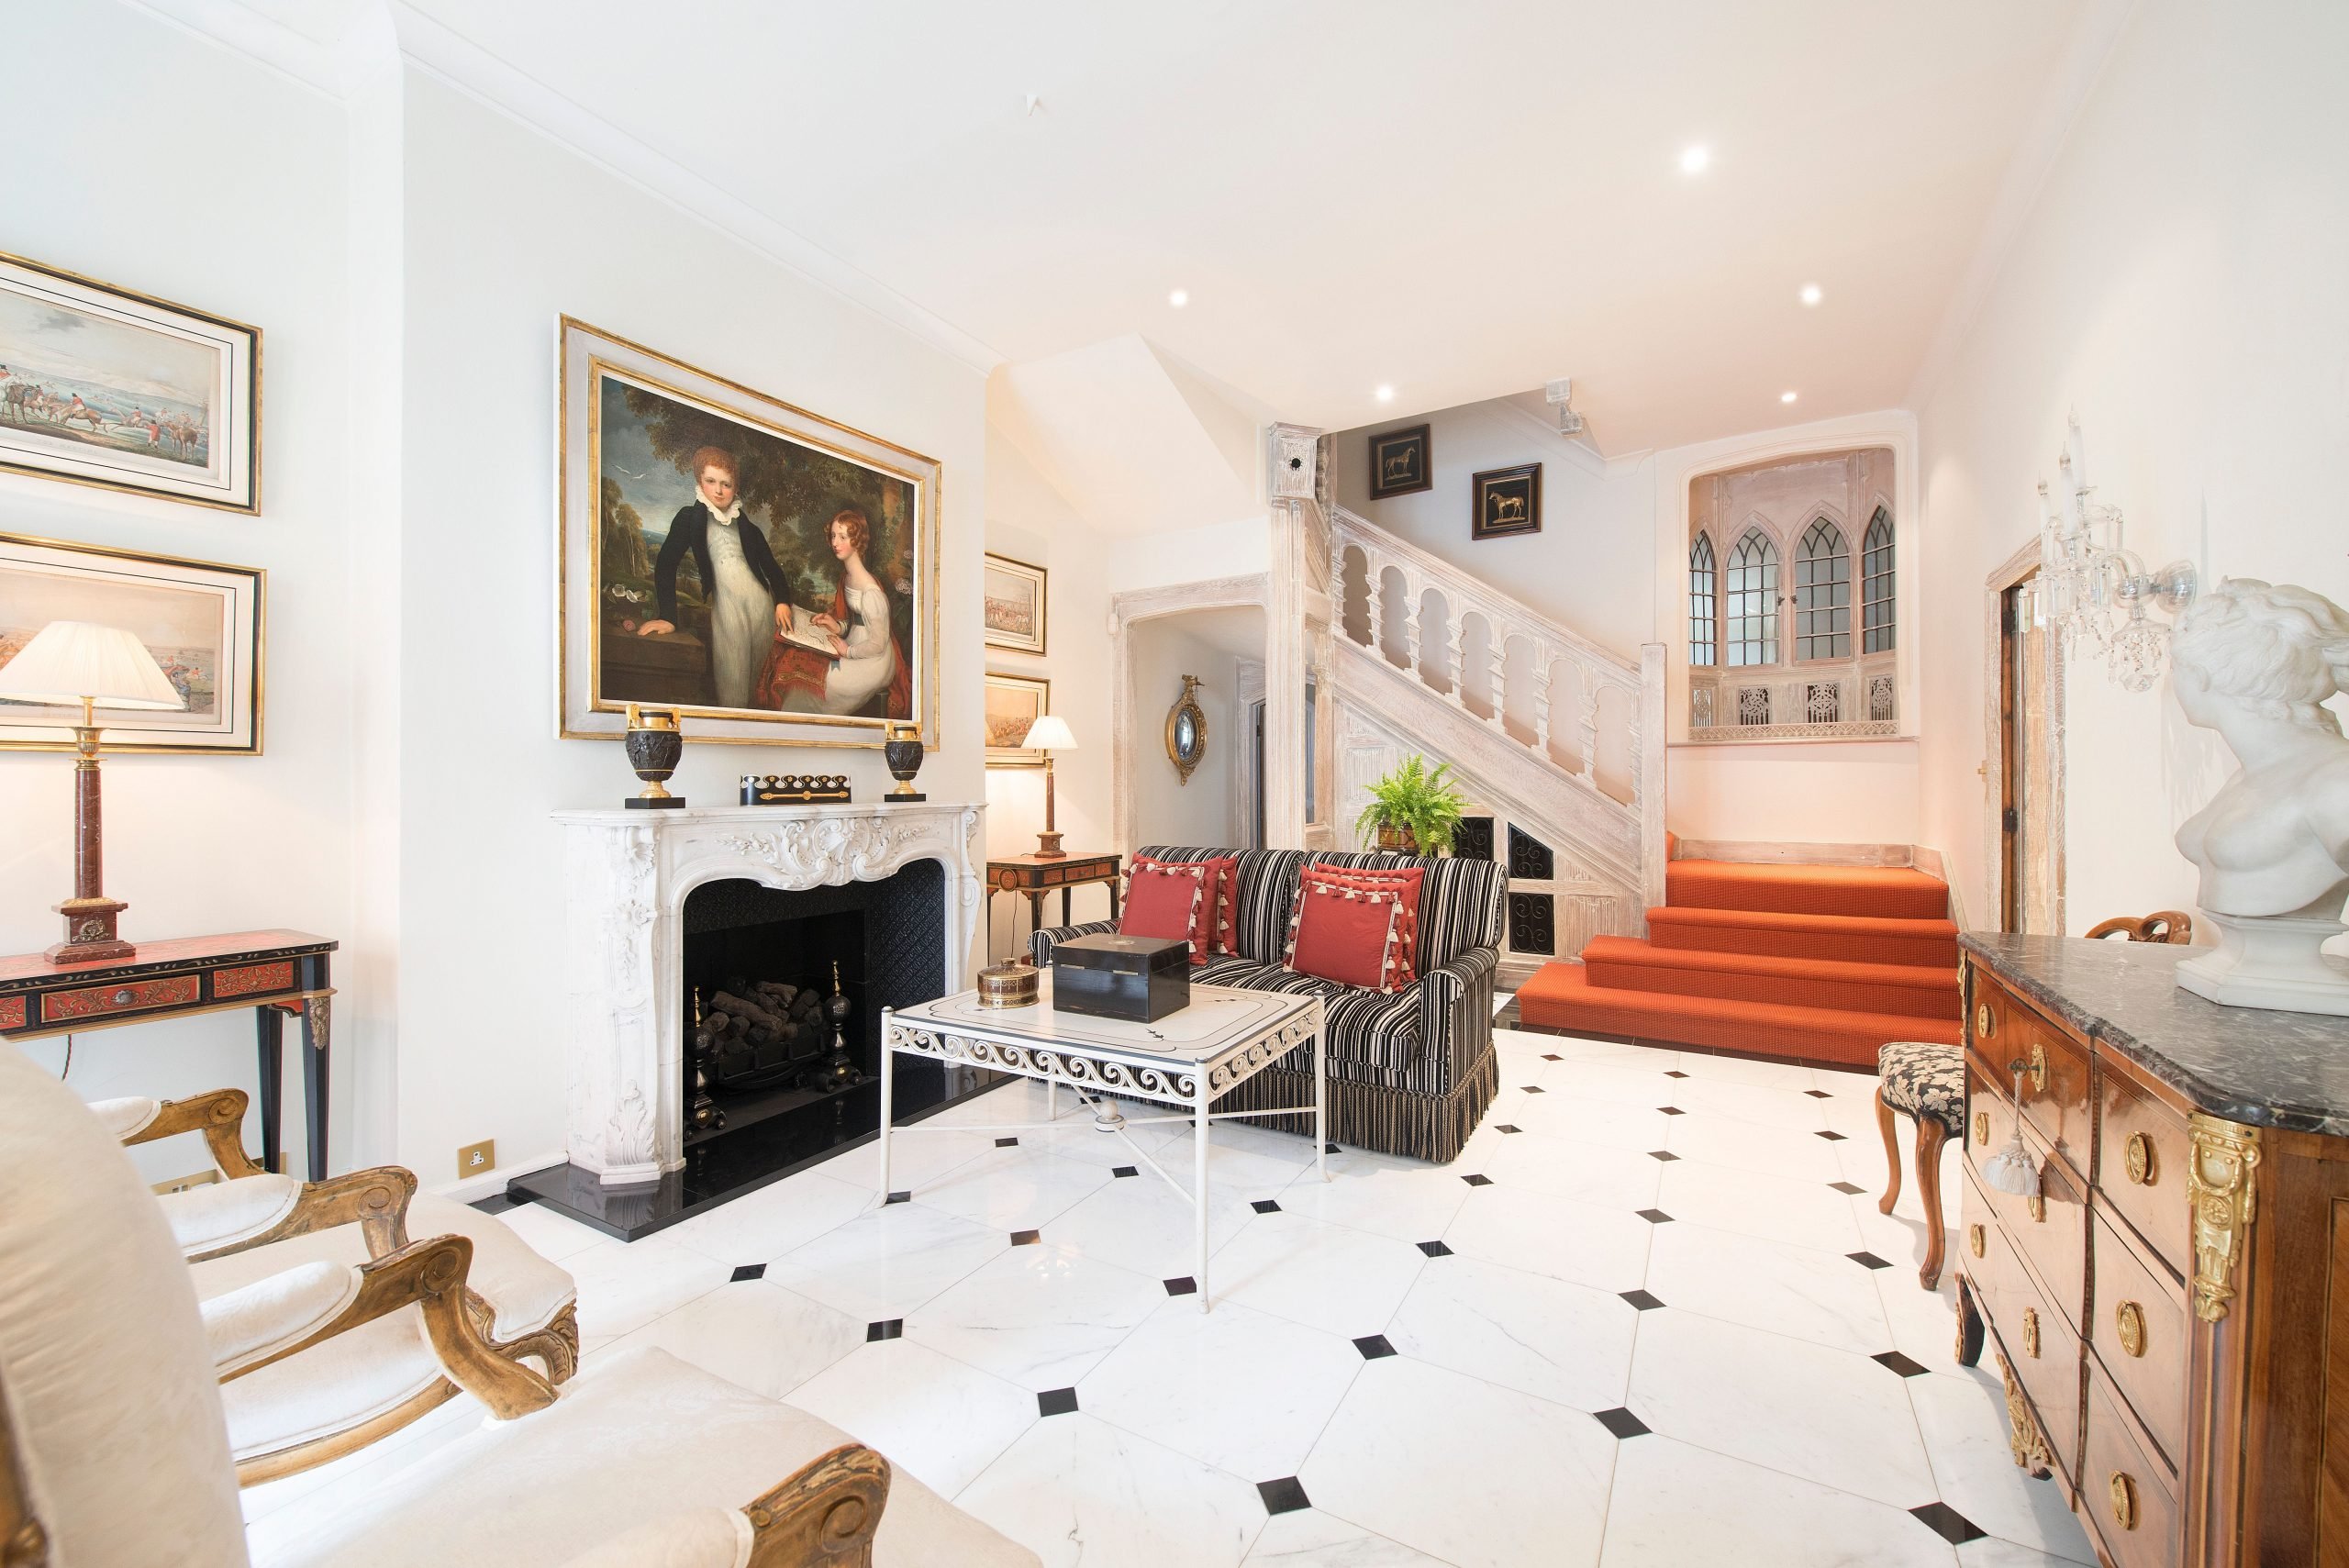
626 877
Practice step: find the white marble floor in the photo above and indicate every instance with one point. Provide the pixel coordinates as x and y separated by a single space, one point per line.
1649 1317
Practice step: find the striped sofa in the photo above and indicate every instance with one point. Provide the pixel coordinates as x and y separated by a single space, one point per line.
1411 1071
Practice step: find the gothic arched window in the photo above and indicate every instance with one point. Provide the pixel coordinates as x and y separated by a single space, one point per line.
1703 604
1823 594
1876 584
1752 631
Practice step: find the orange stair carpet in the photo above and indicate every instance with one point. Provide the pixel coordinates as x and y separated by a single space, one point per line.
1819 963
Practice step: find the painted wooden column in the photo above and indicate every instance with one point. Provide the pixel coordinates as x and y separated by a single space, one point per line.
1292 455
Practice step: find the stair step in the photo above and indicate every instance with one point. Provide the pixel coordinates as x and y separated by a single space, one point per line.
1849 938
1885 892
1561 997
1628 964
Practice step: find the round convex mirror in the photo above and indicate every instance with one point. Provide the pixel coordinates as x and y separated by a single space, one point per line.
1186 731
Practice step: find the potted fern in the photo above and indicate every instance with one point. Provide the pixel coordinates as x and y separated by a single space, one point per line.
1412 810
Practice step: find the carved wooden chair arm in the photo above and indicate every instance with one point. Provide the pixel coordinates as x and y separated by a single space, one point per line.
826 1515
432 1275
219 1115
2161 926
376 1201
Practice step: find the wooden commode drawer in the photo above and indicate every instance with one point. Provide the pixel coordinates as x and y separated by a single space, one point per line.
2137 1326
2141 1169
2041 1347
2050 1226
2008 1038
1975 1220
98 1001
2125 1491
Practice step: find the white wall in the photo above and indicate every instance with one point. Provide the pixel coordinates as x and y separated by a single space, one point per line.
1166 809
1592 567
505 229
197 176
2178 284
1848 793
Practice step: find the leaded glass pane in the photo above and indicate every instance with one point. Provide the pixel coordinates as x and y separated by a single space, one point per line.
1823 594
1751 631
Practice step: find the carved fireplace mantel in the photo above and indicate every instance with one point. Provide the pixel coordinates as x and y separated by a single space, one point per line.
625 877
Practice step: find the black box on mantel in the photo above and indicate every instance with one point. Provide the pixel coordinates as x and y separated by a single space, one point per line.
1138 979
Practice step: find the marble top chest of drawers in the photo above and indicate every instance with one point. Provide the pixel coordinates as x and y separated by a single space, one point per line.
2169 1298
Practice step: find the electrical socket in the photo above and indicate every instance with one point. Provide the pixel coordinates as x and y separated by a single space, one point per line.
477 1158
181 1183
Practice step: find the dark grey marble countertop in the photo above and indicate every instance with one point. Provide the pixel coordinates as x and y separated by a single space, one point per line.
2248 1065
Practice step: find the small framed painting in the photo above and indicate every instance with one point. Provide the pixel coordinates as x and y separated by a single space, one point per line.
1399 463
1507 500
201 621
1015 604
99 386
1015 702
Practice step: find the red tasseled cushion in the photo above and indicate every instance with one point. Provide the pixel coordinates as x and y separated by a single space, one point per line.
1167 901
1223 917
1405 880
1346 934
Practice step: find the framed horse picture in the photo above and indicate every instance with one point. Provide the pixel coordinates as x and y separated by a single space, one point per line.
1400 463
1505 501
100 386
770 573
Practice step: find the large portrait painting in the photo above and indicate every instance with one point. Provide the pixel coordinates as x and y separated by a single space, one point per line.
202 623
99 386
771 573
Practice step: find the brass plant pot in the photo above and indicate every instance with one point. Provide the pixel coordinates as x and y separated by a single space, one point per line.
1398 840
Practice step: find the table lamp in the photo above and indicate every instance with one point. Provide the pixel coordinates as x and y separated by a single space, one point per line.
97 666
1048 735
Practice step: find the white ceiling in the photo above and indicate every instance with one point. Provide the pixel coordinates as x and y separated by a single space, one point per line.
1459 201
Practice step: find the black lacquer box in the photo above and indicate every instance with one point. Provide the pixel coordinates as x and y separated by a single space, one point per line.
1138 979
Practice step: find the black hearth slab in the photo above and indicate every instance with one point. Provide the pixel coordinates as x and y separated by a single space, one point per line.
2247 1065
723 1168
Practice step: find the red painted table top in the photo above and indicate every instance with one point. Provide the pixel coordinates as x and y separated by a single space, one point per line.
174 954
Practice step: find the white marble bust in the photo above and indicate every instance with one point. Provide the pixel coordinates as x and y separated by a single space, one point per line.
2256 663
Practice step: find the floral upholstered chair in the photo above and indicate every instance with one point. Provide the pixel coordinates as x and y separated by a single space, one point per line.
1925 1083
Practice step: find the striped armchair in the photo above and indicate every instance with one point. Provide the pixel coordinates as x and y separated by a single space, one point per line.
1410 1071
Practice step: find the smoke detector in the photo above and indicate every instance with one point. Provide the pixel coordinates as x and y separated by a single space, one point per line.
1561 392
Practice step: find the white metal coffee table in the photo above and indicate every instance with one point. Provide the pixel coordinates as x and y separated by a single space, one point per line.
1189 1058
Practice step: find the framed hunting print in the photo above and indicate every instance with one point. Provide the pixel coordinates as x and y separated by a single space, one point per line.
1400 463
1015 604
1505 501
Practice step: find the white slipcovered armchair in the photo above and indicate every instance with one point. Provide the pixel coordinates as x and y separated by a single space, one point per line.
275 1261
114 1447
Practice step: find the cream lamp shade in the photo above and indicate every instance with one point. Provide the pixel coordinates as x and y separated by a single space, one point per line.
1049 733
78 660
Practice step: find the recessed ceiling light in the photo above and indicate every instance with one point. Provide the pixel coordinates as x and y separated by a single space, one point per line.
1694 160
1812 294
1179 298
1385 395
1785 398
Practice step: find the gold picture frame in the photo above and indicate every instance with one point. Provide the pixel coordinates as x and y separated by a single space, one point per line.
1015 604
205 623
106 386
1186 731
1012 703
634 427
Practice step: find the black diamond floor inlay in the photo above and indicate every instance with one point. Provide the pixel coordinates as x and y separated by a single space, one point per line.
1818 1094
1006 1143
1283 1496
1867 1260
1655 1217
1551 1056
1535 1089
887 1329
1672 1111
1832 1137
1056 1402
1435 1249
749 1271
1479 1180
1673 1072
1948 1523
1374 1346
1182 1285
1645 1300
1893 1361
1665 1154
1026 1237
1847 1189
1621 1422
1265 1205
907 1197
1125 1170
1507 1127
1331 1149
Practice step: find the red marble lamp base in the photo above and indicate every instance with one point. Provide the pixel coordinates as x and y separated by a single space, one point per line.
90 931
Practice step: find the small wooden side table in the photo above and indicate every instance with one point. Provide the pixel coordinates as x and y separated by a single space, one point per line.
274 973
1036 875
